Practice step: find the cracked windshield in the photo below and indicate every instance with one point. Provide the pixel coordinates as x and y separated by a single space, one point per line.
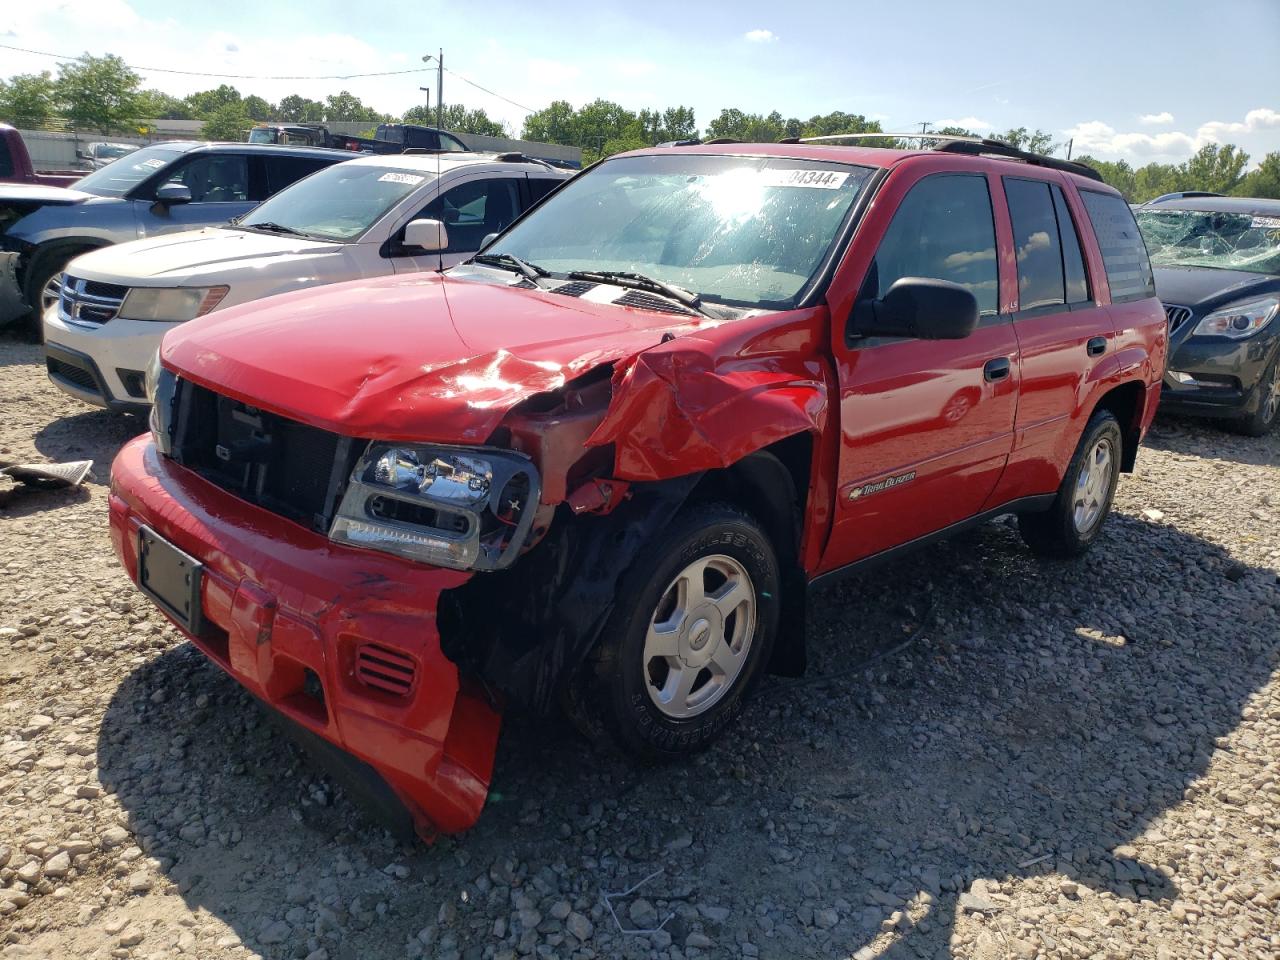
745 232
1205 238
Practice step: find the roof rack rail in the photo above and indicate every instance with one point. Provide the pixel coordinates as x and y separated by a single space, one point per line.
970 146
515 156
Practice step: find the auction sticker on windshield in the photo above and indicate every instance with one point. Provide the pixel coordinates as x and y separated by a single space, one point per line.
1265 223
411 179
819 179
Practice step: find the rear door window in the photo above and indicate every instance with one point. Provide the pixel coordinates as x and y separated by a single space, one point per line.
282 171
1041 280
1072 254
539 187
473 210
943 230
1124 254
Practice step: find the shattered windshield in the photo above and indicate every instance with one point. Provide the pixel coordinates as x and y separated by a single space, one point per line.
1210 238
744 231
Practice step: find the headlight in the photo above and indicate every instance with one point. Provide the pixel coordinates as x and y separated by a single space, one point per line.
1239 320
170 303
469 508
162 387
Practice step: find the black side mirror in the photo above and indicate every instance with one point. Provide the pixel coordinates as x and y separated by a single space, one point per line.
918 307
170 194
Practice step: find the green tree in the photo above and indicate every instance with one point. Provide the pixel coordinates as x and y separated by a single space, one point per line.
27 99
1263 182
556 123
1217 168
228 122
100 93
457 118
1036 142
298 109
346 106
158 105
734 124
955 132
205 103
1119 174
258 108
1154 179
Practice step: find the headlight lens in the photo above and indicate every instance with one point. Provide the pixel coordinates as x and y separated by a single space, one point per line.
172 304
469 508
162 387
1239 320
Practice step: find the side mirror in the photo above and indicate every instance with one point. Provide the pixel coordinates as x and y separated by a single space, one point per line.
918 307
488 239
173 193
427 235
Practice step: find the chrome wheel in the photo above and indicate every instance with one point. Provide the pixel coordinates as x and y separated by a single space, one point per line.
51 293
1093 486
699 636
1271 404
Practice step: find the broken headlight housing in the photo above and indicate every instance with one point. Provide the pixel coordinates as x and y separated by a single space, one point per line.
161 387
469 508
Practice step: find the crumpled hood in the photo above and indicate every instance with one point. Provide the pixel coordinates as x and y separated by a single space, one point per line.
211 255
418 357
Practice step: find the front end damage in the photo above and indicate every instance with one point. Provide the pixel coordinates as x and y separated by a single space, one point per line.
406 665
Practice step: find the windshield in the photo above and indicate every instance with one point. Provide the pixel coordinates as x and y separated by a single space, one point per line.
110 151
337 203
1209 238
746 231
120 176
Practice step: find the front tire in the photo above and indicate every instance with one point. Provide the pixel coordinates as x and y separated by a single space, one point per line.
1260 422
1069 527
691 634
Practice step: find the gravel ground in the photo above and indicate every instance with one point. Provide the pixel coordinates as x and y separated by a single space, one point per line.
993 756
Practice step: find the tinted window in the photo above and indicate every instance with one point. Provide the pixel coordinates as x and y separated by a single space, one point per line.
282 171
943 230
6 161
1035 237
1072 259
419 139
214 178
452 144
539 187
471 211
1124 255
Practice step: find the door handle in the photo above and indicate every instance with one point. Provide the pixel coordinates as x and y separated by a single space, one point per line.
995 369
1096 347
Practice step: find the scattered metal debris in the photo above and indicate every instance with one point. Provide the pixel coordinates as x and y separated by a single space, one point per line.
610 897
48 475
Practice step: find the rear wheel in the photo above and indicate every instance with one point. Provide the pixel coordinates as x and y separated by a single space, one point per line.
691 633
1260 422
1069 527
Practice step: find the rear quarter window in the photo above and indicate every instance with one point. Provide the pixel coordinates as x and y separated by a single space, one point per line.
1124 254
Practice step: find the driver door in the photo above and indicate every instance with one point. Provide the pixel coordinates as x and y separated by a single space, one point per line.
222 185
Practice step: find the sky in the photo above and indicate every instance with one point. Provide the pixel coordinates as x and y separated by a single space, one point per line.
1123 79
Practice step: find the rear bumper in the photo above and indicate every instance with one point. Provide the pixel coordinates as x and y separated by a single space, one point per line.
284 608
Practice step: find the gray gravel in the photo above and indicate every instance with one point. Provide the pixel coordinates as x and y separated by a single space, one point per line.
1064 760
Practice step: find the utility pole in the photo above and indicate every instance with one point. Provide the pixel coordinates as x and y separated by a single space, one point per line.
427 91
1070 143
924 126
439 59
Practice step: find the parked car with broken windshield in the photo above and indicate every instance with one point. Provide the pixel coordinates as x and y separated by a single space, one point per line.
1217 269
598 466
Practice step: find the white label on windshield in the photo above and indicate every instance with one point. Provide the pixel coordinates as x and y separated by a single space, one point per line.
1265 223
154 163
817 179
411 179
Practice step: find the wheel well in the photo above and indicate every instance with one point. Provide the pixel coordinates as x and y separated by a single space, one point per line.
55 249
1126 404
772 484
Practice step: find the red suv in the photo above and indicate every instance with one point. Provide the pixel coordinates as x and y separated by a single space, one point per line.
599 465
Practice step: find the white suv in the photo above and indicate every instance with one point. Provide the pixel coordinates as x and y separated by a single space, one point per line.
363 218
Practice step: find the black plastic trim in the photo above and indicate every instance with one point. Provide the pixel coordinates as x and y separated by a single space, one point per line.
1035 504
85 362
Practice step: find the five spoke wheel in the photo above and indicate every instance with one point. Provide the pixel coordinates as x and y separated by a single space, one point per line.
1093 485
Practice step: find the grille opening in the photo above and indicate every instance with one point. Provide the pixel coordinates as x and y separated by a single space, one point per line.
76 376
383 669
650 301
134 381
574 288
1176 316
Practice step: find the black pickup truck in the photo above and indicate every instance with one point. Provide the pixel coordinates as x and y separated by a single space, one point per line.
388 138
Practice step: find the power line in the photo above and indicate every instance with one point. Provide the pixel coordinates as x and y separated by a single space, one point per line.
247 76
490 92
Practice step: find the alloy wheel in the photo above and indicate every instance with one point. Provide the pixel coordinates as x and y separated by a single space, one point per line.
1093 486
699 636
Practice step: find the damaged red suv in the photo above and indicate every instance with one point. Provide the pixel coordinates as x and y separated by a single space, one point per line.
598 466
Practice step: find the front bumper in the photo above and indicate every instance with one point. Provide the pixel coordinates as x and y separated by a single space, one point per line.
115 354
1224 374
284 608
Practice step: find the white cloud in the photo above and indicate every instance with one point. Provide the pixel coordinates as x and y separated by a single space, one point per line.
635 68
1095 136
1156 119
760 36
969 123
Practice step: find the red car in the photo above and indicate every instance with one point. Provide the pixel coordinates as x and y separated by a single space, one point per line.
599 465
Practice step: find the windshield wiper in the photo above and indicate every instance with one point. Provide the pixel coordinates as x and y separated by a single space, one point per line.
272 228
505 261
638 281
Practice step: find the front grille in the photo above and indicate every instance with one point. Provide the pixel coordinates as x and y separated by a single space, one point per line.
89 301
284 466
1177 316
77 376
650 301
384 669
